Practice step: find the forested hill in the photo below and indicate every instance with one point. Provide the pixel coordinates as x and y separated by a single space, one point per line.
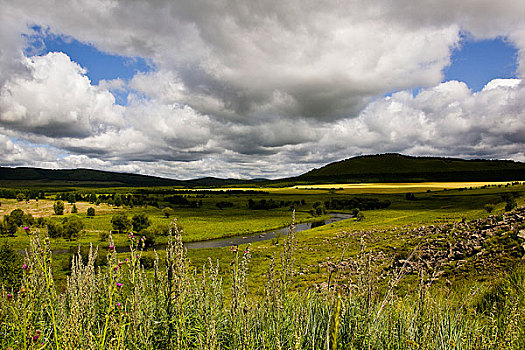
25 176
80 177
393 167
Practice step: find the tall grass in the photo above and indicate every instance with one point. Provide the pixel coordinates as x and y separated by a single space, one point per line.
123 306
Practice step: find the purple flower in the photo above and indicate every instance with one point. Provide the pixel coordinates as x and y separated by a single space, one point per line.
26 228
119 285
9 296
245 252
35 338
119 304
111 247
25 267
115 268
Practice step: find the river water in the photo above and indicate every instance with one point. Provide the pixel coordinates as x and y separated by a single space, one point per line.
238 240
263 236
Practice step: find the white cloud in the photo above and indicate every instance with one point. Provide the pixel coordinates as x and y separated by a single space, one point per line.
266 88
57 100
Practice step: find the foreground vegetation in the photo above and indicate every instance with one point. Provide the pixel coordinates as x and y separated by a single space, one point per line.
122 306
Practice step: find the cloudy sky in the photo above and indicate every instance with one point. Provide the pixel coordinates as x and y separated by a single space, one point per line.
186 89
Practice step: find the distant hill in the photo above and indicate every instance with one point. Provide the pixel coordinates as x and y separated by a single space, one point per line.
390 167
25 176
393 167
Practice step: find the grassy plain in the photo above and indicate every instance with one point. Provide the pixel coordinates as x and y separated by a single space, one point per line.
380 308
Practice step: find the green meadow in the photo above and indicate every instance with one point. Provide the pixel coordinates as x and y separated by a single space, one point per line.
369 281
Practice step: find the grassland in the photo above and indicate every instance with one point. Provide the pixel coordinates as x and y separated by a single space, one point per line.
300 285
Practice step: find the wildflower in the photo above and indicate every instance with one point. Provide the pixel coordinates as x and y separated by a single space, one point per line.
115 268
25 267
245 252
111 247
9 296
126 260
119 285
26 228
119 304
120 263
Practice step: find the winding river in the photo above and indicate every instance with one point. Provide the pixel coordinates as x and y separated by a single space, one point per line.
263 236
238 240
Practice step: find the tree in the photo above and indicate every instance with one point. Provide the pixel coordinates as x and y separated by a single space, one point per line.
120 222
17 217
72 227
90 211
74 210
20 197
8 226
140 222
54 229
58 207
118 200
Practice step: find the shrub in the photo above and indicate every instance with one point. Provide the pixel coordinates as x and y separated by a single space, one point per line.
140 222
10 267
120 222
90 212
74 209
510 204
58 207
489 207
72 227
17 217
54 229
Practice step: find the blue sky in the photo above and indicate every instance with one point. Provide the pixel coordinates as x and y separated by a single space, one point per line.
99 65
476 62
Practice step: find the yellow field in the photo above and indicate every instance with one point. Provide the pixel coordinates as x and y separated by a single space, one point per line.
397 187
368 187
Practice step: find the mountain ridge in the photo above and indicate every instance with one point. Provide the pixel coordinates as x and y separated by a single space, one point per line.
386 167
395 167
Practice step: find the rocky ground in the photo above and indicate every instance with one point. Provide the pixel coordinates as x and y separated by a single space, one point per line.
444 251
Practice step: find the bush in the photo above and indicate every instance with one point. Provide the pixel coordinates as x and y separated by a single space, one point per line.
90 212
72 227
140 222
54 229
58 207
74 210
120 222
158 229
510 204
489 208
10 267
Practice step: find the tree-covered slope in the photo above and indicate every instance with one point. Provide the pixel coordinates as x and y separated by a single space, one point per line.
400 168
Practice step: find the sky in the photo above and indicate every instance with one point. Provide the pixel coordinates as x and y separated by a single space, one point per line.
249 89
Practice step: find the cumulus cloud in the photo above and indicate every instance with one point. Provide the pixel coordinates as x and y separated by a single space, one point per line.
266 88
57 100
444 120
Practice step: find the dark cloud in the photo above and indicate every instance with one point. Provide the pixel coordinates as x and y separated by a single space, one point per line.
256 88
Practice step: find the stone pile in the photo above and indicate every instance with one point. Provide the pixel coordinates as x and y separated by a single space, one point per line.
445 249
